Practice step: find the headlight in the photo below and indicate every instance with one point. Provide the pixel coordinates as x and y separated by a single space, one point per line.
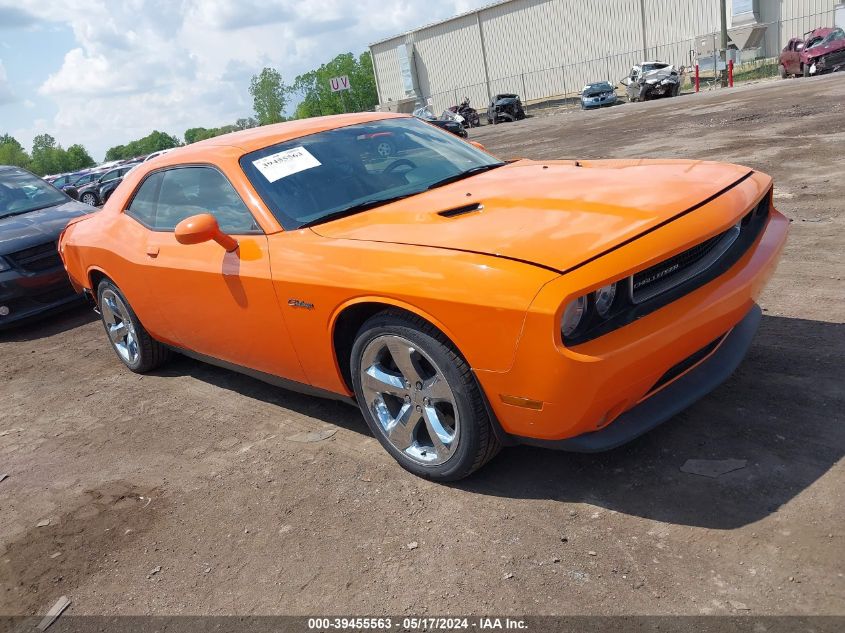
573 315
4 265
604 299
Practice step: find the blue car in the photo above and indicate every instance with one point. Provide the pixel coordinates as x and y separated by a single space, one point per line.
597 95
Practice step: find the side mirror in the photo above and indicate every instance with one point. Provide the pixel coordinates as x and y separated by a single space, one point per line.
203 228
478 145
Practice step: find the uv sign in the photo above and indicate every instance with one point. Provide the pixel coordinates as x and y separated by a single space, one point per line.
339 83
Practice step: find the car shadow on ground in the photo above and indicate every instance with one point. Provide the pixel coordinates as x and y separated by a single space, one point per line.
50 324
782 412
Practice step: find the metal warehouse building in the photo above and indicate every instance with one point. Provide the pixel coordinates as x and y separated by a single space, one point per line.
543 49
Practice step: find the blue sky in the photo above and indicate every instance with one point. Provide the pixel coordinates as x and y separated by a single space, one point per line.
104 72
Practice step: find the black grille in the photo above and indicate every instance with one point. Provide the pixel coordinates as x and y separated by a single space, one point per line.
37 258
675 265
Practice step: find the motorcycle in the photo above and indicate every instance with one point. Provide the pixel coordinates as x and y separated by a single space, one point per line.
470 115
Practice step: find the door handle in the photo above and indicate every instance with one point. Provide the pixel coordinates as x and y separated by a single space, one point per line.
152 251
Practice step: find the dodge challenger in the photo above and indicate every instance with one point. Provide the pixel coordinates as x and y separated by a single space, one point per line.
463 302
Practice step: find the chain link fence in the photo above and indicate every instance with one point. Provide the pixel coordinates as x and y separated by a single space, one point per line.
563 84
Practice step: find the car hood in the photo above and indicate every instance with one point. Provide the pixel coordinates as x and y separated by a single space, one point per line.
18 232
91 186
595 92
554 214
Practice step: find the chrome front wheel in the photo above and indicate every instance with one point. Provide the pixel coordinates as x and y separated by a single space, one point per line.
420 397
410 399
119 327
139 351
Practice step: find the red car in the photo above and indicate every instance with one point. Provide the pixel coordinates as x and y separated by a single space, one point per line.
821 51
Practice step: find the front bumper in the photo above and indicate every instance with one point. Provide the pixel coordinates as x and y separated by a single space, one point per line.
679 394
31 295
597 103
587 388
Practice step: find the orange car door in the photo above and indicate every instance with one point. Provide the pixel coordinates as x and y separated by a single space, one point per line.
217 304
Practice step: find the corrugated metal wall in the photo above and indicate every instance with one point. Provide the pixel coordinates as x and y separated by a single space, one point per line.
544 48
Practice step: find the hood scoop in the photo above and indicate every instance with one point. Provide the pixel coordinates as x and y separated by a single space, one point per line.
463 210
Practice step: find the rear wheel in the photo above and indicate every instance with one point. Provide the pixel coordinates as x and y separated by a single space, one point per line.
130 341
782 71
420 398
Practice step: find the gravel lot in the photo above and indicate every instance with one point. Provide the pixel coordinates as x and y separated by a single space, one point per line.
198 471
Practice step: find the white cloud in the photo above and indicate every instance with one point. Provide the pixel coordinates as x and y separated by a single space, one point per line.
140 65
6 94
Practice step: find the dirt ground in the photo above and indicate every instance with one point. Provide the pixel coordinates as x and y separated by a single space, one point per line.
187 492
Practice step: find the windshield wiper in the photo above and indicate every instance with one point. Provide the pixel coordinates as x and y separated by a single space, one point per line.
464 174
355 208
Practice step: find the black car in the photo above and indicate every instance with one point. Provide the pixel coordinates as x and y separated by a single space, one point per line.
505 107
450 126
455 127
94 194
32 215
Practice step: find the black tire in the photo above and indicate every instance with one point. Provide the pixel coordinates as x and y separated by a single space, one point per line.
782 71
151 353
477 443
805 70
89 197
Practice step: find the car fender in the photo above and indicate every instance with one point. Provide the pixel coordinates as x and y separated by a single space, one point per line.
391 301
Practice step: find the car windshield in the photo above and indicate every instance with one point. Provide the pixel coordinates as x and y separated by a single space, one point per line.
833 36
348 170
21 192
602 86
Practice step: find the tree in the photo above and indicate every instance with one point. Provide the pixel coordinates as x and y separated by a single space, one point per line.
317 98
78 157
48 157
153 142
245 124
268 96
12 152
194 134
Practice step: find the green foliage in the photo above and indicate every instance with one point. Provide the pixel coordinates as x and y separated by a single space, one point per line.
269 96
48 157
12 152
195 134
153 142
78 157
317 97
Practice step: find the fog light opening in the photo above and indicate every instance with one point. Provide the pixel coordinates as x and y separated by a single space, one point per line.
4 311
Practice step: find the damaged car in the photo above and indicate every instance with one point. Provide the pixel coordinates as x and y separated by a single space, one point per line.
505 107
449 121
598 94
822 51
652 80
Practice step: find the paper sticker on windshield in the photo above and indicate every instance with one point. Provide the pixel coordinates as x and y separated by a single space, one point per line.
283 164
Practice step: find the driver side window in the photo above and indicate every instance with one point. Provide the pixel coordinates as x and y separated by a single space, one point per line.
168 197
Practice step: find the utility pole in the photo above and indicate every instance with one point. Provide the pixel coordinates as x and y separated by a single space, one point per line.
645 39
723 15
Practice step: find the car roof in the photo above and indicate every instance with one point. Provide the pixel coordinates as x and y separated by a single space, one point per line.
259 137
825 30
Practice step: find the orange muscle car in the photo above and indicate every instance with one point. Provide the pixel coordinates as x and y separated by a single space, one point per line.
463 302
